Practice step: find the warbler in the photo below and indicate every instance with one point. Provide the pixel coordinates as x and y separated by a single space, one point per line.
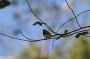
46 34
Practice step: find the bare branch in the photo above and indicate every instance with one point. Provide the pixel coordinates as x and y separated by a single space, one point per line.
24 35
72 19
73 13
40 18
12 37
57 35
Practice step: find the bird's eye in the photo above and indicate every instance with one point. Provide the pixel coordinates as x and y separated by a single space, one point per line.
4 3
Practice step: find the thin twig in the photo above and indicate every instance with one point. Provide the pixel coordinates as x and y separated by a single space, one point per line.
82 28
79 32
72 32
24 35
13 37
39 18
73 13
62 35
59 35
72 19
23 39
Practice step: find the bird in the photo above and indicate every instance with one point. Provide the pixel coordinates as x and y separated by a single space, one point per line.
46 33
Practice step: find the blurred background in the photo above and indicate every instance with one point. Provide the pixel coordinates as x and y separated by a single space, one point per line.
52 12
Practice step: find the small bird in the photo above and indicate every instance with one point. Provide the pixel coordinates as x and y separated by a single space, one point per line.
46 34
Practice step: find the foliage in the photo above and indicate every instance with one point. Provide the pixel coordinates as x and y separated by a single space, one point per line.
80 49
33 51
